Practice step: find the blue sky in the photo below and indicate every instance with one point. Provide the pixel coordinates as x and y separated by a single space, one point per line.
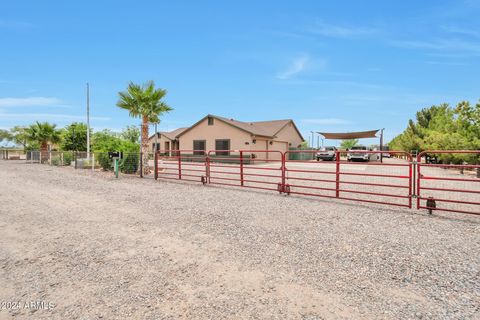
329 65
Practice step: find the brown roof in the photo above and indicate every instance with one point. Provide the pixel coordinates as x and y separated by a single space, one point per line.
257 128
172 135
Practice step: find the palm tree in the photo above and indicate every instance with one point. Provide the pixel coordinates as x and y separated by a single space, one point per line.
144 102
43 133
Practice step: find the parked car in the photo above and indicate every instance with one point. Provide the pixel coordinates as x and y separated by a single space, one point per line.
360 154
326 154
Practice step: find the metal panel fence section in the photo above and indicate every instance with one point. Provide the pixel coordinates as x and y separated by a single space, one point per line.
93 161
447 186
187 165
257 169
451 186
388 182
12 154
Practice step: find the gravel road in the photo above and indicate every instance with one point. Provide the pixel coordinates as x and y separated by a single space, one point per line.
89 246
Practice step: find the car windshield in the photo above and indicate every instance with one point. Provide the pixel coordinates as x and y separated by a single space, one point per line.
359 148
329 149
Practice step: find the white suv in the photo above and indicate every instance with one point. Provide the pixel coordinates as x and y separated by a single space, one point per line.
360 154
327 153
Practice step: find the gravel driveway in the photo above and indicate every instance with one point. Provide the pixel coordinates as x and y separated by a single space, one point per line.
88 246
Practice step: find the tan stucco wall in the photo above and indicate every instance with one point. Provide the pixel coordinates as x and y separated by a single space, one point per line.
289 134
219 130
161 140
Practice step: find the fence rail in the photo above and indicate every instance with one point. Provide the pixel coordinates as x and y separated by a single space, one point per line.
444 187
396 181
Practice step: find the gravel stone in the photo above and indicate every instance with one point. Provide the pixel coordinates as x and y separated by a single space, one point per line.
129 248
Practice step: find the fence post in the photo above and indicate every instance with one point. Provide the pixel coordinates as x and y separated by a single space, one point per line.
179 165
207 161
141 164
155 165
284 169
411 168
75 157
93 161
337 174
418 165
241 168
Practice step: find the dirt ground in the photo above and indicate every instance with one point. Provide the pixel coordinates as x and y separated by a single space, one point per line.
83 245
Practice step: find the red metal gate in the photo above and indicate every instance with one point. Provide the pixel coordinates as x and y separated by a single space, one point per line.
187 165
447 186
258 169
390 183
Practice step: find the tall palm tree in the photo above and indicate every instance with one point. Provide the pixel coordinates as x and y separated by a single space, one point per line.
145 102
43 133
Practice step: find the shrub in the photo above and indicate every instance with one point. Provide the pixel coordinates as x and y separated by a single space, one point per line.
56 161
129 163
105 162
67 158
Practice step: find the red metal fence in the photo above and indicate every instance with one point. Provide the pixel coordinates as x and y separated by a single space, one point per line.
370 181
448 186
394 181
190 165
246 168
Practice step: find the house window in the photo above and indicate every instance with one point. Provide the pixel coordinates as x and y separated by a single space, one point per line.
199 147
222 144
210 121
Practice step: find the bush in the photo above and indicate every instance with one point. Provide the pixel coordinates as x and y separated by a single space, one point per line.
56 161
105 162
67 158
129 163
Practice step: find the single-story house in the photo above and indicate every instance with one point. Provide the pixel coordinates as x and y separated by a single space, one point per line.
219 133
165 140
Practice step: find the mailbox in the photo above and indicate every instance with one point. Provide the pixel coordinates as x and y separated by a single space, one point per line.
115 155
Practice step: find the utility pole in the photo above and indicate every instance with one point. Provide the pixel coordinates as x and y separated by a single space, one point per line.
88 121
381 145
312 139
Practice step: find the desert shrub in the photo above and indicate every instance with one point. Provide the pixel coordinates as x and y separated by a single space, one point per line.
56 161
129 163
67 158
105 162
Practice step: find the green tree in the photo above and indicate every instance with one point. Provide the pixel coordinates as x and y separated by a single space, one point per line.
348 144
304 145
131 133
74 137
43 133
5 135
18 135
144 102
105 141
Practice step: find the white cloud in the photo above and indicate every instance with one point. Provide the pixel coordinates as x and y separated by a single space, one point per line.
298 65
452 45
14 24
49 117
326 121
29 102
338 31
462 31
